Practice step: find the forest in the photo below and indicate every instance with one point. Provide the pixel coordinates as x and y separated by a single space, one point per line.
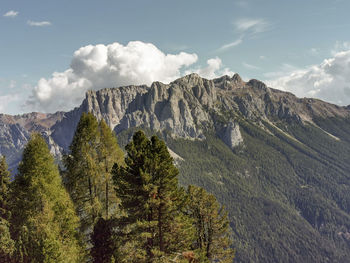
103 204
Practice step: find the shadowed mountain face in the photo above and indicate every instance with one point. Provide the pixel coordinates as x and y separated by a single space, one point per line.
280 164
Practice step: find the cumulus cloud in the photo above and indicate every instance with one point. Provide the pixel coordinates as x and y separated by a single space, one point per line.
39 23
104 66
11 13
212 70
329 81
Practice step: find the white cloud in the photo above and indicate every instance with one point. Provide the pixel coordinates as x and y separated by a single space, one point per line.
329 81
105 66
213 70
232 44
247 28
11 13
340 46
5 100
39 23
252 26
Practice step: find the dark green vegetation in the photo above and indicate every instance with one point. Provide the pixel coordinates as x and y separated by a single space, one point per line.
142 215
288 198
286 188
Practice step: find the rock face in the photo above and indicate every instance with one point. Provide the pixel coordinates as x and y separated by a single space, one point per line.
187 108
15 132
231 135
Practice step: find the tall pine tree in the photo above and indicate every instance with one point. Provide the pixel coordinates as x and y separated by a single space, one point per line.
213 238
109 153
156 228
93 152
6 243
44 221
83 176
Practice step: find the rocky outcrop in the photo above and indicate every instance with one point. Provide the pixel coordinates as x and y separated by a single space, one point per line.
231 135
178 107
188 107
15 132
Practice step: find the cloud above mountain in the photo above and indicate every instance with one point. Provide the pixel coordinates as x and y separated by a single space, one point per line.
11 14
329 81
104 66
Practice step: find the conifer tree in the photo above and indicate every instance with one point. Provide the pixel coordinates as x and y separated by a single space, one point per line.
93 152
83 177
43 220
156 228
213 238
6 243
109 153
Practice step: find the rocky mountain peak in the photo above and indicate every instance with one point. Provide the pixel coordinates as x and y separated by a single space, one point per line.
188 107
228 83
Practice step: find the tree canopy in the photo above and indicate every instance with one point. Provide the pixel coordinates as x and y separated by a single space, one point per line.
44 221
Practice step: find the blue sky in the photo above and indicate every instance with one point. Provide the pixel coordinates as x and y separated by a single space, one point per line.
300 46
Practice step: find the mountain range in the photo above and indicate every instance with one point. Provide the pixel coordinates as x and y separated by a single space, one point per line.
278 163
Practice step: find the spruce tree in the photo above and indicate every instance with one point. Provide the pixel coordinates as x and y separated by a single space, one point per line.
156 228
44 221
213 238
6 243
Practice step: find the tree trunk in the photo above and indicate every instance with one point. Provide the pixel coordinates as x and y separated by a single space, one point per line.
160 228
107 200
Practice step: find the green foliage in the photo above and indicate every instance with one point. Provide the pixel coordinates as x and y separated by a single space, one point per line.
7 245
82 177
213 237
287 195
6 242
43 220
155 228
4 189
109 153
93 152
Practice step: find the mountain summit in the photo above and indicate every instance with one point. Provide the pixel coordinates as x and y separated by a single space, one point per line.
279 163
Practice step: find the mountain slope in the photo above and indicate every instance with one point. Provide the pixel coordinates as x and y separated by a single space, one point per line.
277 162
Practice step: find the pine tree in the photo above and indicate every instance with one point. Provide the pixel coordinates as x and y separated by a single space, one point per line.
109 153
155 227
213 238
44 221
6 243
93 152
83 177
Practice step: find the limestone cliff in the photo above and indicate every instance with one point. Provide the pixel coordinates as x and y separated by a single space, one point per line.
189 107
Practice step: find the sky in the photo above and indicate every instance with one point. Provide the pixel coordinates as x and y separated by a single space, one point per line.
52 52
